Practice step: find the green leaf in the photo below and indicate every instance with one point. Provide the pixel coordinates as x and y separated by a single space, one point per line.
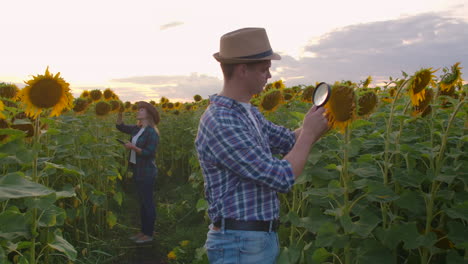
67 169
378 192
458 234
14 185
291 254
364 158
365 171
14 224
52 216
320 255
412 201
460 211
62 245
364 226
361 123
43 202
202 205
67 192
118 197
376 255
327 236
111 219
453 257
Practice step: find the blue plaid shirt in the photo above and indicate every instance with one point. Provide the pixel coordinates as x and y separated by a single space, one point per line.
241 175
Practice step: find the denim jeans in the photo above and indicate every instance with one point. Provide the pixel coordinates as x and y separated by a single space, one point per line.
144 187
241 247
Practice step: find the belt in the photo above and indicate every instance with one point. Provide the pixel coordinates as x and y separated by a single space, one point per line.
249 225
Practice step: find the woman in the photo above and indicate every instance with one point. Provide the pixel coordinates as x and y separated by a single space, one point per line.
144 140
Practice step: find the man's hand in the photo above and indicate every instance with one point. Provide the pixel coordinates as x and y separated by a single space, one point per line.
315 124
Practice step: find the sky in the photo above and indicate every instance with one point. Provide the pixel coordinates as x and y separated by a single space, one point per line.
144 50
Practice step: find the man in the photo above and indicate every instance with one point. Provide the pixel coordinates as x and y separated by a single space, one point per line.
235 146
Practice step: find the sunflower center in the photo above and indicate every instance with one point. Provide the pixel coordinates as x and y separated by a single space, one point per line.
45 93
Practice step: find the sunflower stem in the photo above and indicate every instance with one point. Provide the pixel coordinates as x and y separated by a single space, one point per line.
436 184
32 256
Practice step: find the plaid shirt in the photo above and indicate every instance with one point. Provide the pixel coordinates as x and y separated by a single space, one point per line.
148 142
242 177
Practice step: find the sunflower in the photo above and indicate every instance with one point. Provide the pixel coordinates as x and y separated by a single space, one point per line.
115 105
366 83
307 94
197 98
367 103
177 105
268 87
164 106
188 107
163 100
417 84
85 94
127 105
108 94
46 91
102 108
288 94
451 79
3 124
153 103
96 95
421 107
340 108
271 100
80 105
170 105
278 85
134 107
8 90
172 255
2 107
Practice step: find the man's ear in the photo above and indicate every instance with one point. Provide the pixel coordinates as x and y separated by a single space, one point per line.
242 70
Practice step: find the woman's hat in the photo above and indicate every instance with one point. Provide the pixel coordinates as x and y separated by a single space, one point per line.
150 109
245 45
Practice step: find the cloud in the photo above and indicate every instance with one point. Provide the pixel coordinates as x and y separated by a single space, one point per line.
171 25
380 49
180 87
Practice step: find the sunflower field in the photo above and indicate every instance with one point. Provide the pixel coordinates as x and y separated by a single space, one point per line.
386 184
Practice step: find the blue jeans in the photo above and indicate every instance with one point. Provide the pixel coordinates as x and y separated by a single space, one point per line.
241 247
144 188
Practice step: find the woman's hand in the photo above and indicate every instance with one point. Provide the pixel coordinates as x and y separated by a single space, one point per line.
129 145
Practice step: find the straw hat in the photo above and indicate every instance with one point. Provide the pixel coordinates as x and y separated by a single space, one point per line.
150 109
245 45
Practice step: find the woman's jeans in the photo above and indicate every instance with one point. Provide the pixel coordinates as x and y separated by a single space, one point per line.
144 187
242 247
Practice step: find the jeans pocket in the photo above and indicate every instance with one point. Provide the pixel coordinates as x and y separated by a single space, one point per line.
214 252
253 245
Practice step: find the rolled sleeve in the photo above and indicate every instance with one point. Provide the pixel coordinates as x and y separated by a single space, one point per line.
238 151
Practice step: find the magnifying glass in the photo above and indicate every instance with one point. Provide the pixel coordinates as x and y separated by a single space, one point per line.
321 94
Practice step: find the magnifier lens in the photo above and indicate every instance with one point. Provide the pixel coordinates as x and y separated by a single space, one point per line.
321 94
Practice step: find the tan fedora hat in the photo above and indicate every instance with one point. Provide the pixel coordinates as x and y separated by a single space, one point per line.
245 45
